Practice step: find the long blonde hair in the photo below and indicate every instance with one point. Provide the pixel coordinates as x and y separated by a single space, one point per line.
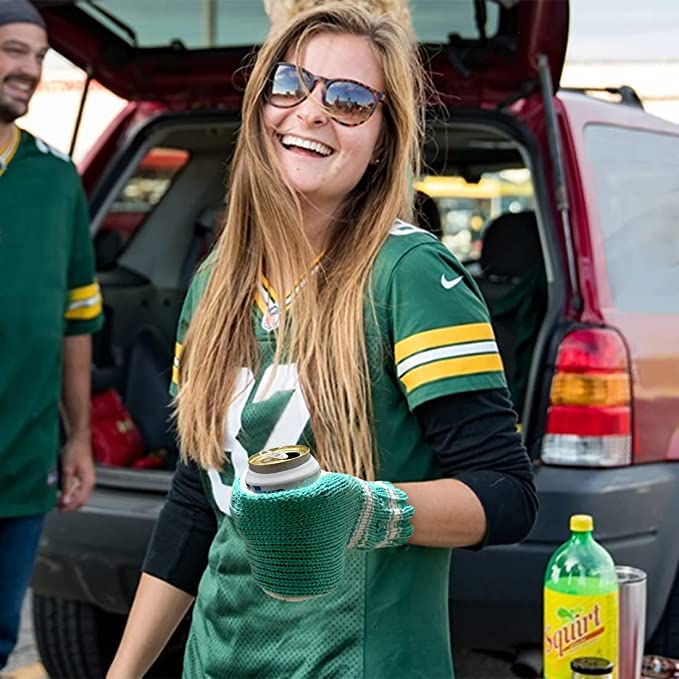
325 332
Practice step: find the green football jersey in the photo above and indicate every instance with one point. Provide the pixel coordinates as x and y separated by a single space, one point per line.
428 336
47 290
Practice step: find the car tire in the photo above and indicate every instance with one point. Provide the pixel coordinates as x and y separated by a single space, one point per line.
665 639
75 640
78 641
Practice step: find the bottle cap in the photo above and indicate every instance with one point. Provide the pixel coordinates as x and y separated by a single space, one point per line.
581 523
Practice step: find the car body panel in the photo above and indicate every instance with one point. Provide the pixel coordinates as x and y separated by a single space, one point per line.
478 72
652 339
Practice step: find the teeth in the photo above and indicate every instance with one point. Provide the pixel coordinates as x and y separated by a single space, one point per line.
21 85
290 140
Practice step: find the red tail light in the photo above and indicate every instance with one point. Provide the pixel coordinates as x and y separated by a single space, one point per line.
589 421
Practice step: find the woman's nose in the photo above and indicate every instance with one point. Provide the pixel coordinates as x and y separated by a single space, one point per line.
311 110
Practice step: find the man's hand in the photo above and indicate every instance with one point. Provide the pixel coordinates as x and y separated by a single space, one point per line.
77 469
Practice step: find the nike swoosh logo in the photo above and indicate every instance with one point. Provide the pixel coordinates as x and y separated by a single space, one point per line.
449 285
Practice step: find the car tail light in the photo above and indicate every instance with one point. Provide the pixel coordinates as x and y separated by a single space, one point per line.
589 420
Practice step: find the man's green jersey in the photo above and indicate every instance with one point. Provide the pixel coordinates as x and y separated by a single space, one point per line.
47 290
428 335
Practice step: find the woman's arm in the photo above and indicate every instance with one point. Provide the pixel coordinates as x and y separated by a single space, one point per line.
489 494
447 514
175 561
157 610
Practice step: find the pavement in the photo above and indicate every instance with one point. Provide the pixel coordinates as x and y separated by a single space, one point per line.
24 663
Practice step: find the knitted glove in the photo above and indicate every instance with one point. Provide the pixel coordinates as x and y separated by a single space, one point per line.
296 540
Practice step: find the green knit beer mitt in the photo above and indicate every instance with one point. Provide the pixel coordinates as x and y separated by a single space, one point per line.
296 540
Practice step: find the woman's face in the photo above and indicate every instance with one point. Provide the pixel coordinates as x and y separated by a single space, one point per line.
326 178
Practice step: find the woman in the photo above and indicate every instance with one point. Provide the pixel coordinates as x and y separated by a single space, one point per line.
321 318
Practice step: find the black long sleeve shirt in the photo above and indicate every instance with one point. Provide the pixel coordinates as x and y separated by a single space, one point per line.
474 437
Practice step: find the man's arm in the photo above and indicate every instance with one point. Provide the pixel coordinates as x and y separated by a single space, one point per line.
77 466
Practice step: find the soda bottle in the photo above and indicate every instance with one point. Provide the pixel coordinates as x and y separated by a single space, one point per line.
580 602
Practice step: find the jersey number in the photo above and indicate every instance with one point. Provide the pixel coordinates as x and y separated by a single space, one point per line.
287 430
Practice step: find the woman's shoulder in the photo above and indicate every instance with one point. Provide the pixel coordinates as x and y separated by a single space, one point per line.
408 245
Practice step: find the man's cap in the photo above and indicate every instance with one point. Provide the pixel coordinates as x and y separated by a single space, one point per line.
20 12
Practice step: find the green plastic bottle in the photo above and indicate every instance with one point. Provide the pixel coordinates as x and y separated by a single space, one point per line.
580 602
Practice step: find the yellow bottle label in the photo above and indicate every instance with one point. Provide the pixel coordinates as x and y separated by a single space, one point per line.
576 626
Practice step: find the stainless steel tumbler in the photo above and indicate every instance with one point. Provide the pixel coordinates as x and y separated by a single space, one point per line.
632 623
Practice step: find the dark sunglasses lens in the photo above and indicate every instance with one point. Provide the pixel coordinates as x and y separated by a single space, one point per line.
285 88
349 103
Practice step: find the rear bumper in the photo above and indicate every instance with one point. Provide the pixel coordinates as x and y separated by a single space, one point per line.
496 594
95 554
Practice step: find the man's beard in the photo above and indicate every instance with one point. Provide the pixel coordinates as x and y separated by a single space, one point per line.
10 110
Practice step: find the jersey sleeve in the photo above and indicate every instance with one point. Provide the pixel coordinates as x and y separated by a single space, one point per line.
83 306
440 327
190 303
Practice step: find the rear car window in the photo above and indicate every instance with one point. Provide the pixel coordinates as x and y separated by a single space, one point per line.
144 190
636 176
138 198
466 207
228 23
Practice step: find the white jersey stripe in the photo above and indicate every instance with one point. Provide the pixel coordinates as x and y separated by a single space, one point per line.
451 351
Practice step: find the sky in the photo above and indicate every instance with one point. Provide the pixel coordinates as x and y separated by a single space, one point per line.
623 30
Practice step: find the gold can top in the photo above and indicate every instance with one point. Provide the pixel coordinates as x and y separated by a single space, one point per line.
277 459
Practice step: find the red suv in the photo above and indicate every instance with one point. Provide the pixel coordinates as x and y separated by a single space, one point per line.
581 276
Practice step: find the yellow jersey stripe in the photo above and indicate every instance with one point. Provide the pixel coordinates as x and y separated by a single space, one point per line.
430 339
83 313
450 351
84 303
9 150
84 292
452 367
176 363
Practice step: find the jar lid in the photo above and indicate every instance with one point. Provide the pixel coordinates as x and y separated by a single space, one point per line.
592 667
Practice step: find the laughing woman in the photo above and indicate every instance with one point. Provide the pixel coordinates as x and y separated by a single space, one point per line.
324 318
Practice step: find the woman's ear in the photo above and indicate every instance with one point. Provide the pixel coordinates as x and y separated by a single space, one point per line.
379 148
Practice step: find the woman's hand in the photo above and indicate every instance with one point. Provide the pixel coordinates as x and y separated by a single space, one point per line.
296 540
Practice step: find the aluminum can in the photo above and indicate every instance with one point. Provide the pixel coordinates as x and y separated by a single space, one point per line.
275 469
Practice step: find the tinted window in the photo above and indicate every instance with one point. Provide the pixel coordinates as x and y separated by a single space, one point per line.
144 189
637 191
197 23
466 207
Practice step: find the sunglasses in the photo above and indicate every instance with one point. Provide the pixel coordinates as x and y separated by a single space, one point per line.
347 102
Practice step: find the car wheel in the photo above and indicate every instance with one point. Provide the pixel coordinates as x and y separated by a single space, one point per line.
78 641
74 639
665 640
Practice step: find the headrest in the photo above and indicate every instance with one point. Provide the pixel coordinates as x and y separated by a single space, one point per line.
427 213
511 244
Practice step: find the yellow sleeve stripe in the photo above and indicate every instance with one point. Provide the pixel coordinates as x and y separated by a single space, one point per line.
430 339
83 293
83 303
453 367
175 364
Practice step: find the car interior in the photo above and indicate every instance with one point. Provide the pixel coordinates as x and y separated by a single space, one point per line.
165 208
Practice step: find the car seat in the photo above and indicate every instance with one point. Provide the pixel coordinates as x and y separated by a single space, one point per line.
514 285
147 381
